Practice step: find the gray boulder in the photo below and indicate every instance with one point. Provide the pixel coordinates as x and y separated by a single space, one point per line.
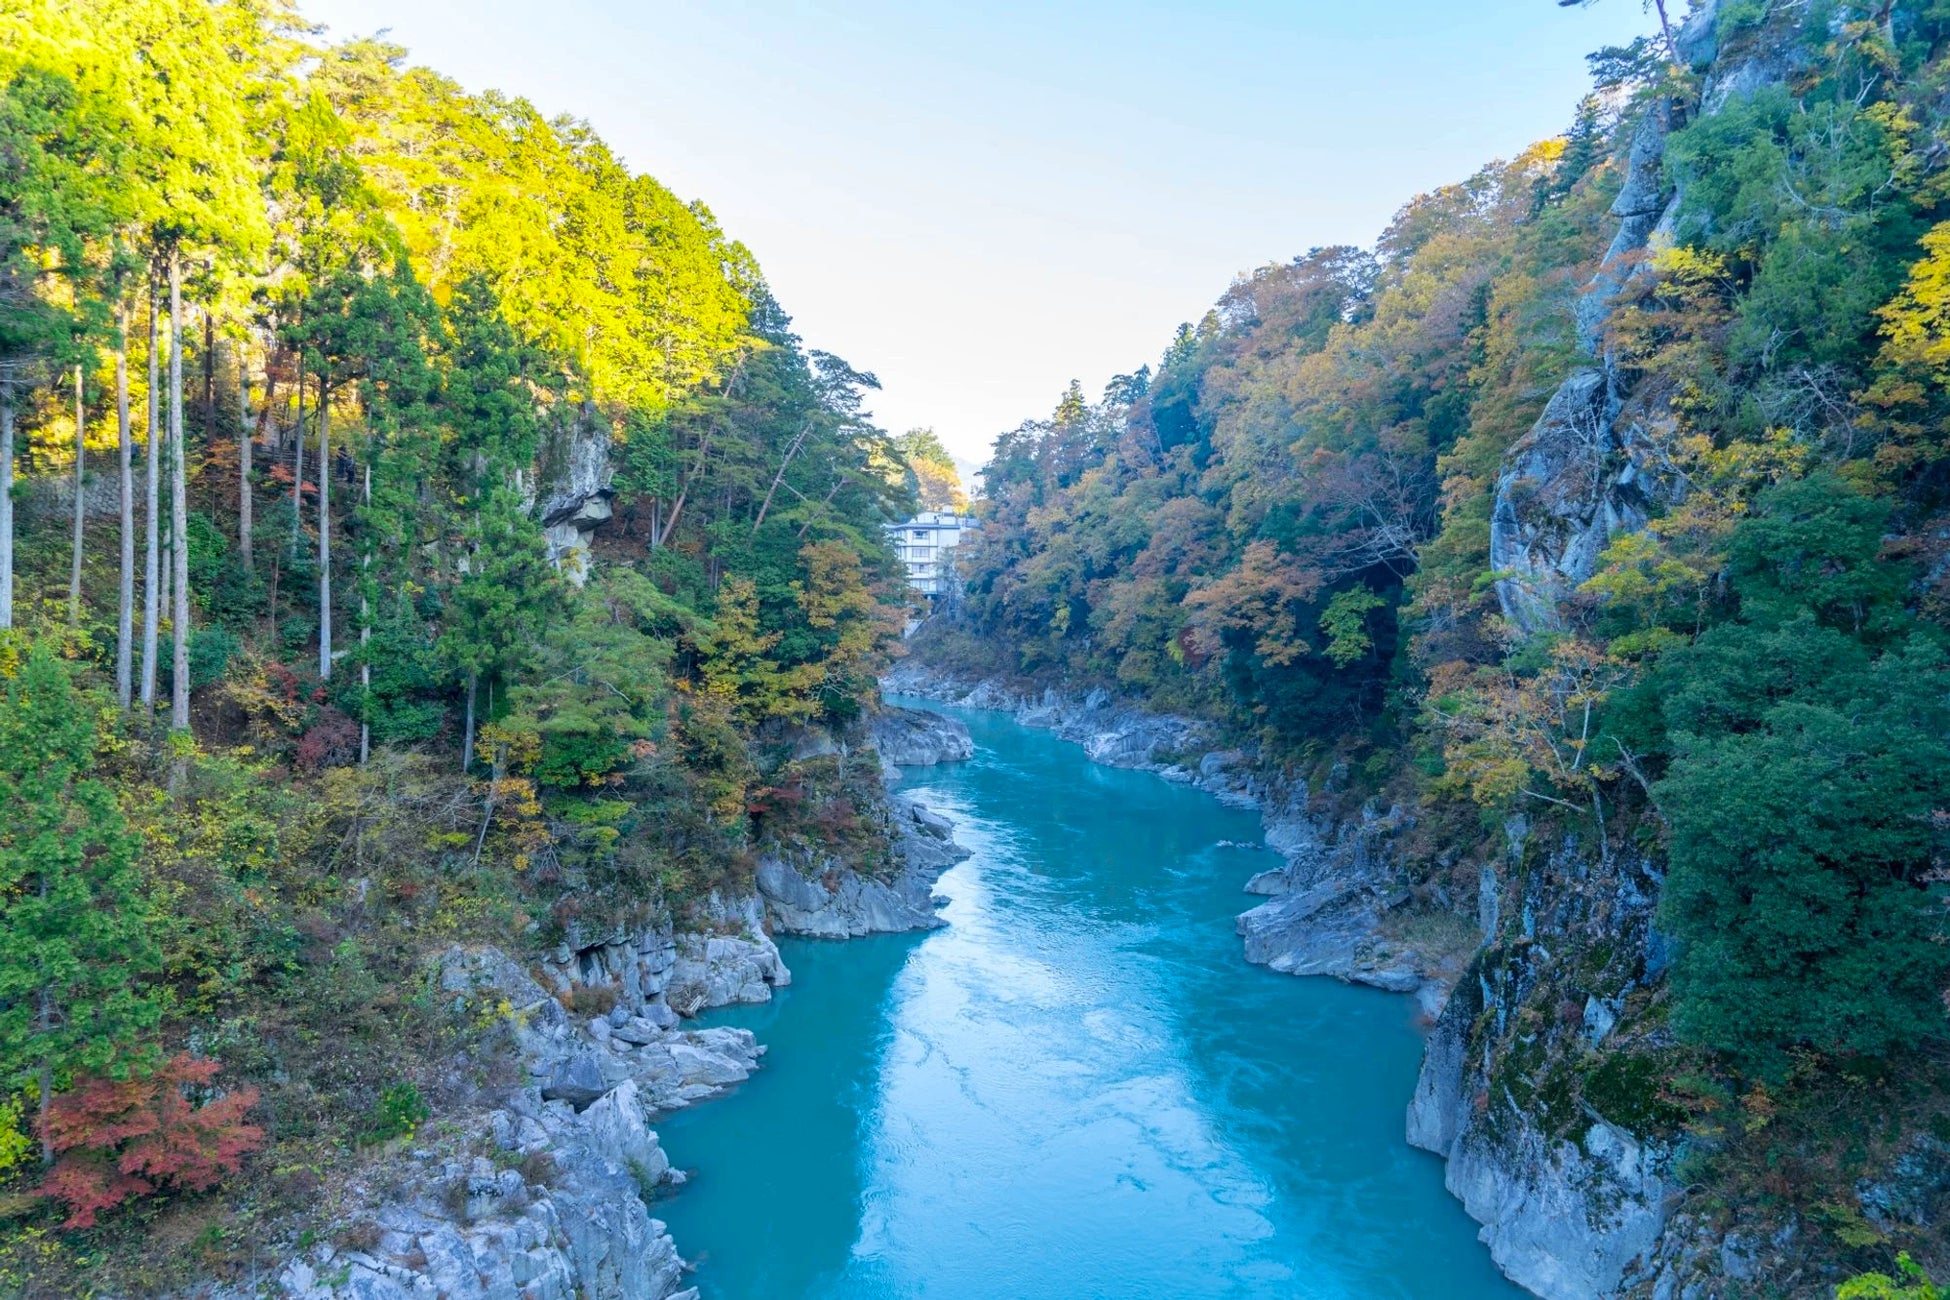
919 738
832 901
577 1080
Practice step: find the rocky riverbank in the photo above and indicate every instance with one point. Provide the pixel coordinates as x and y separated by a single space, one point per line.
1334 902
542 1187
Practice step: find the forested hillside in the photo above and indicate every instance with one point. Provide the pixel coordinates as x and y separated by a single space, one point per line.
462 538
1590 530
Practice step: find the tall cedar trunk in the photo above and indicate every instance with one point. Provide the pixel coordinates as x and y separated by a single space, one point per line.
166 585
151 525
324 528
467 736
266 429
179 507
209 374
6 497
365 638
298 466
244 440
125 472
80 503
165 601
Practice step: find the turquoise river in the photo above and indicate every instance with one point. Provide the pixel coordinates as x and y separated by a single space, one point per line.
1078 1089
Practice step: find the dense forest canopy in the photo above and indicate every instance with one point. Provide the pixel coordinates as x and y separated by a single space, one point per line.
465 535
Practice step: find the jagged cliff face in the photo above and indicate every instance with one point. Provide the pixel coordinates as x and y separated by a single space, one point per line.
1533 1089
573 489
1528 1087
1597 461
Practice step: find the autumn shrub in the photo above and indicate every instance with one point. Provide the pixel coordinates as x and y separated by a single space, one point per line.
592 999
332 740
115 1139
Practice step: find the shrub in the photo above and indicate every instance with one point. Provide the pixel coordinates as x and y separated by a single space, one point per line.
211 650
538 1169
1625 1089
121 1138
331 741
399 1112
16 1144
363 1236
592 999
1914 1284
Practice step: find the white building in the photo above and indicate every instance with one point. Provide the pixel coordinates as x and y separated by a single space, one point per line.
926 544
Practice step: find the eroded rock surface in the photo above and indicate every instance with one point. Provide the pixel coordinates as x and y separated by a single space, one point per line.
540 1189
833 901
919 738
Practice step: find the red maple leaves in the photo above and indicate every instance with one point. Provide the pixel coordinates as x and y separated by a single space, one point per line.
120 1138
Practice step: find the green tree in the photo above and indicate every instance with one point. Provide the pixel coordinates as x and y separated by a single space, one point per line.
58 150
936 480
500 610
1809 762
76 950
190 74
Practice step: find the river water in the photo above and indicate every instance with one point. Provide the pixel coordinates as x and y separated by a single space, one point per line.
1077 1090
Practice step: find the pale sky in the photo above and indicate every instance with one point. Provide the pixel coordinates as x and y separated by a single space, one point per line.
981 201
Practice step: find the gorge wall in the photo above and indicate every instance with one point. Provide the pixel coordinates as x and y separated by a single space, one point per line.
1534 945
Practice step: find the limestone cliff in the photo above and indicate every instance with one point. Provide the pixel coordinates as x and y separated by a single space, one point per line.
573 494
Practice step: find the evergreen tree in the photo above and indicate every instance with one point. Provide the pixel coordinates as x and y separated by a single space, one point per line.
75 932
58 144
1810 759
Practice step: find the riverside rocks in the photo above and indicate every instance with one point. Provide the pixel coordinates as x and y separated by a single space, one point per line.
538 1189
828 899
1112 732
918 738
553 1210
836 902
